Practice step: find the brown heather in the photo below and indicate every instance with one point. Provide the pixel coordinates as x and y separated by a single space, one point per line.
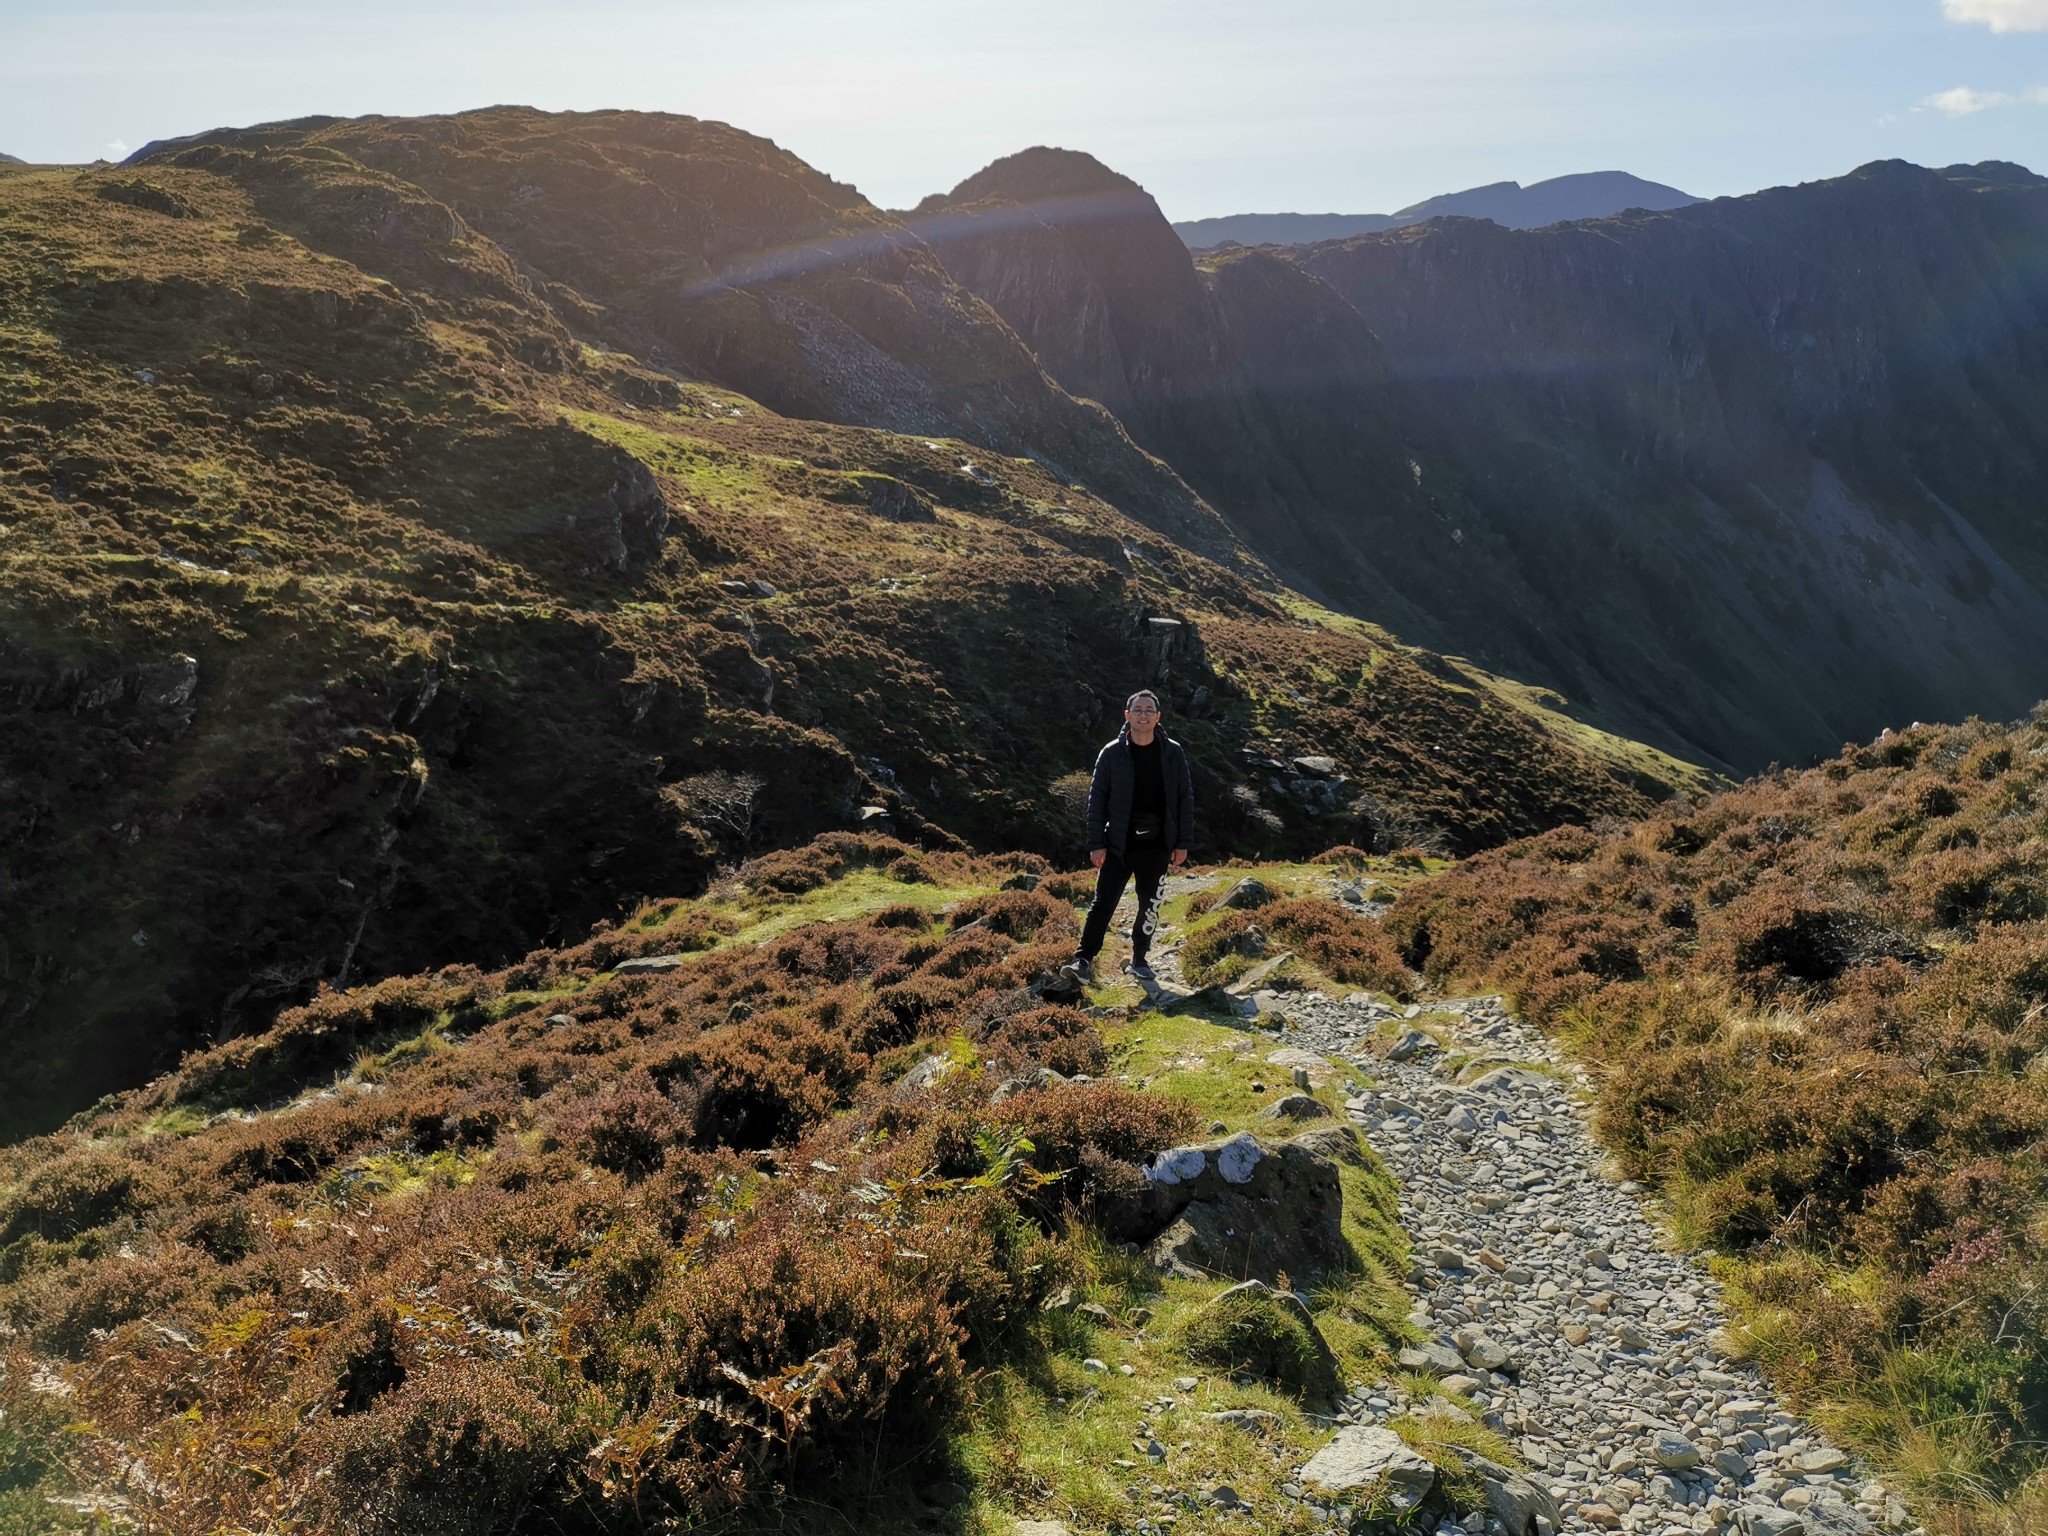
1342 946
1819 1005
604 1253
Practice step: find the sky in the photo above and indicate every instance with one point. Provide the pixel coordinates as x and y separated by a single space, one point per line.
1351 106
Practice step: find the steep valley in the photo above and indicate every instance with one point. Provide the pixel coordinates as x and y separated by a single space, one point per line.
1745 479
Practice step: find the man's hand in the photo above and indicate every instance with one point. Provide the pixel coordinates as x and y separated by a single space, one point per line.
1178 857
1097 855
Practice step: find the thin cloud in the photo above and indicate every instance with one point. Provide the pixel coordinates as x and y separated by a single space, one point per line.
2000 15
115 149
1964 102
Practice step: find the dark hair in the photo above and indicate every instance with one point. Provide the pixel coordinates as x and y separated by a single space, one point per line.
1144 693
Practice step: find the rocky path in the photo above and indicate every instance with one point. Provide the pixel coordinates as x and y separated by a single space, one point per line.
1550 1297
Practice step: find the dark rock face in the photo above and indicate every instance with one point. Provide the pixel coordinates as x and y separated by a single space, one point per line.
625 526
1243 374
145 697
1751 472
1743 478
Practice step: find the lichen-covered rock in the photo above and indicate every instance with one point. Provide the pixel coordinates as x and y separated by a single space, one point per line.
1239 1207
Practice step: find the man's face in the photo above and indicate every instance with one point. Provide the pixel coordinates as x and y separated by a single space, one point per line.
1142 716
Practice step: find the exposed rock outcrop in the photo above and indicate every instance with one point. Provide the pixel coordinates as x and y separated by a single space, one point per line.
1240 1207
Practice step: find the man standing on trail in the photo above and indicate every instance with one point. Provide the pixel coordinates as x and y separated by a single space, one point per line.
1141 816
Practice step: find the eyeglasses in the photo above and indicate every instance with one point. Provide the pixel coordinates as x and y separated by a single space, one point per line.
1141 710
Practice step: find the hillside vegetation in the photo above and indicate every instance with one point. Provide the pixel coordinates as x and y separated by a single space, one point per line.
1820 1006
365 608
782 1203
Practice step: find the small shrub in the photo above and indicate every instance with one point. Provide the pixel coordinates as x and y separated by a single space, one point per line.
77 1193
1019 915
463 1450
1122 1129
1344 947
1064 1039
1074 887
897 1014
915 919
627 1125
316 1041
794 871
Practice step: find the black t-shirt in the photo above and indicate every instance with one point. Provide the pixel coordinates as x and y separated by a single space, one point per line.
1148 781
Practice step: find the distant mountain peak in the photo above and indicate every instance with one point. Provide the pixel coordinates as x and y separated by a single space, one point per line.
1034 175
12 160
1560 200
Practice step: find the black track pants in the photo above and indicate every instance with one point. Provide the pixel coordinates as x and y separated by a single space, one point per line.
1148 863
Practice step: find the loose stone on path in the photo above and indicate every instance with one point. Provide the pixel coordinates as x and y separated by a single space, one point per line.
1543 1287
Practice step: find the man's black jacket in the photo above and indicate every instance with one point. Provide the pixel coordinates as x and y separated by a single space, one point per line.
1109 794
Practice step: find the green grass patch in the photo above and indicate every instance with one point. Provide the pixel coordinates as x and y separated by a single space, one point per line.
859 894
178 1120
1222 1071
1052 1439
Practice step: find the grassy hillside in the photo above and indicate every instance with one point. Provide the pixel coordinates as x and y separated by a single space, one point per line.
797 1228
357 619
1819 1002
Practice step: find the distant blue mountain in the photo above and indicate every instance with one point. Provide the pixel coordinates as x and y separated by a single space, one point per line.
1591 195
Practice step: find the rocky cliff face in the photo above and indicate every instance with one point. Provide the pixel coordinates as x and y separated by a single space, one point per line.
1765 461
1745 478
1253 378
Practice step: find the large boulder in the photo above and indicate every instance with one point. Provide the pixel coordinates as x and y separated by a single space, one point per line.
1366 1460
1522 1507
1240 1208
1248 893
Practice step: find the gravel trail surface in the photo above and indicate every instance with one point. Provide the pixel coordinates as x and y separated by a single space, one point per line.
1547 1291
